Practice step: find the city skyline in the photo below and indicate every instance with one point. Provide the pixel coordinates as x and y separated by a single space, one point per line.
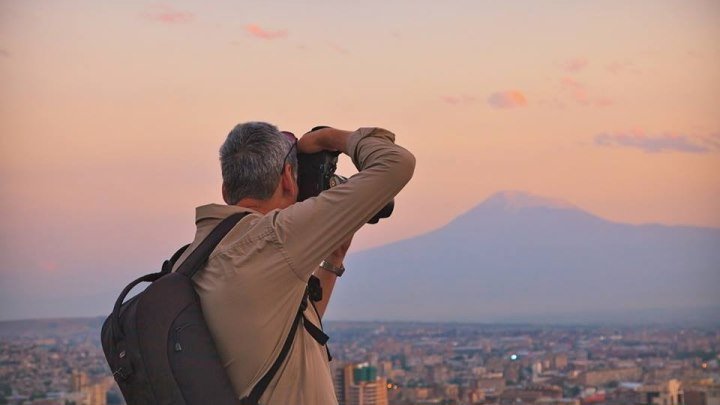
388 363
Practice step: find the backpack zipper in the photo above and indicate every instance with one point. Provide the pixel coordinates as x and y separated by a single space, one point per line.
178 347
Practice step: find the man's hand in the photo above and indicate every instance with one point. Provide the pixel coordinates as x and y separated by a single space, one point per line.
330 139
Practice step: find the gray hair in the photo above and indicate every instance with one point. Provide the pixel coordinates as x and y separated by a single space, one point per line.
251 159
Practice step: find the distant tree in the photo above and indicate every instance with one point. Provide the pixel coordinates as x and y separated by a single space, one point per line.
574 391
3 400
37 395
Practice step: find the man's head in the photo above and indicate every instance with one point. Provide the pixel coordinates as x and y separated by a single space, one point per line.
254 165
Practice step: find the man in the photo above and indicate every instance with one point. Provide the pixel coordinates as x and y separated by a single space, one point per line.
255 280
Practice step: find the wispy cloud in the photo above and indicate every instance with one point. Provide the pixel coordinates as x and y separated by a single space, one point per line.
337 48
459 100
580 93
168 15
575 65
622 67
262 33
656 143
507 99
552 103
712 140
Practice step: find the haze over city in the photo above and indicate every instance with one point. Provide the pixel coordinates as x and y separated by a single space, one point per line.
112 114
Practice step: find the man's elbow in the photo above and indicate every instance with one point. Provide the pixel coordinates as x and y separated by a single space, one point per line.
393 169
404 166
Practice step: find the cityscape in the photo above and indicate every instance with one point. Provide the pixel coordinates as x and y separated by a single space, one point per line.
558 243
60 362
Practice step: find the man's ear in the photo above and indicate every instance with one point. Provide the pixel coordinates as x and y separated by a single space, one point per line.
288 179
225 194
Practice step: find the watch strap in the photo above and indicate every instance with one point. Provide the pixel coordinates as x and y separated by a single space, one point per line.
338 271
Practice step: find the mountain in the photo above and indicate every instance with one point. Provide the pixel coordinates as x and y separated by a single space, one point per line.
521 257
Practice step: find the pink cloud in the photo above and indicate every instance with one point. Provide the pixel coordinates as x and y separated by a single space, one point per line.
577 90
337 48
656 143
575 65
602 102
48 265
459 100
4 53
166 14
579 93
507 99
259 32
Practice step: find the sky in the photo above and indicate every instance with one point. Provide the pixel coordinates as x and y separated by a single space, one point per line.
112 113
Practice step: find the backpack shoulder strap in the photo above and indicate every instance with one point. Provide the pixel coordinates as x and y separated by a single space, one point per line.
168 264
200 255
197 259
259 389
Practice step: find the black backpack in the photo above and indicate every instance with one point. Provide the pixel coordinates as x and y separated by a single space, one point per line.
159 348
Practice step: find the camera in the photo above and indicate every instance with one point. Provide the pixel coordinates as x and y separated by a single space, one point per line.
316 173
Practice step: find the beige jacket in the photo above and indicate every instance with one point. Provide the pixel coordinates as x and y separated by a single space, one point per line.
255 279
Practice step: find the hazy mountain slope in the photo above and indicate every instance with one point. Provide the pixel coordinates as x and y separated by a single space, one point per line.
517 254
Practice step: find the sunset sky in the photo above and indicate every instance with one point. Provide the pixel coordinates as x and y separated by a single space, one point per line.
112 113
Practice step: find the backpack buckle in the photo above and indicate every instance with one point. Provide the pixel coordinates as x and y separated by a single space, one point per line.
121 374
314 289
166 267
125 369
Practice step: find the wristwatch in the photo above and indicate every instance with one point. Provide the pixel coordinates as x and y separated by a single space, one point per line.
338 271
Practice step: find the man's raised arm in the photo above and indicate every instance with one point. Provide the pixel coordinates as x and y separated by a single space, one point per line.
310 230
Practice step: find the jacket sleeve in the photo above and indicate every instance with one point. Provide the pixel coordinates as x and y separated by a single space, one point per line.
310 230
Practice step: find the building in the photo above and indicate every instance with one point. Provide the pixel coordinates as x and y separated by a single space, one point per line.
529 394
78 381
493 383
702 394
359 384
601 377
669 393
95 394
559 361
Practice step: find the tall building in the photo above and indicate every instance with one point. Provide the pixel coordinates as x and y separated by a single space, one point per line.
78 381
359 384
95 394
668 393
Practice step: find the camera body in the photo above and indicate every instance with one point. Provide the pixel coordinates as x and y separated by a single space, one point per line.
316 173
